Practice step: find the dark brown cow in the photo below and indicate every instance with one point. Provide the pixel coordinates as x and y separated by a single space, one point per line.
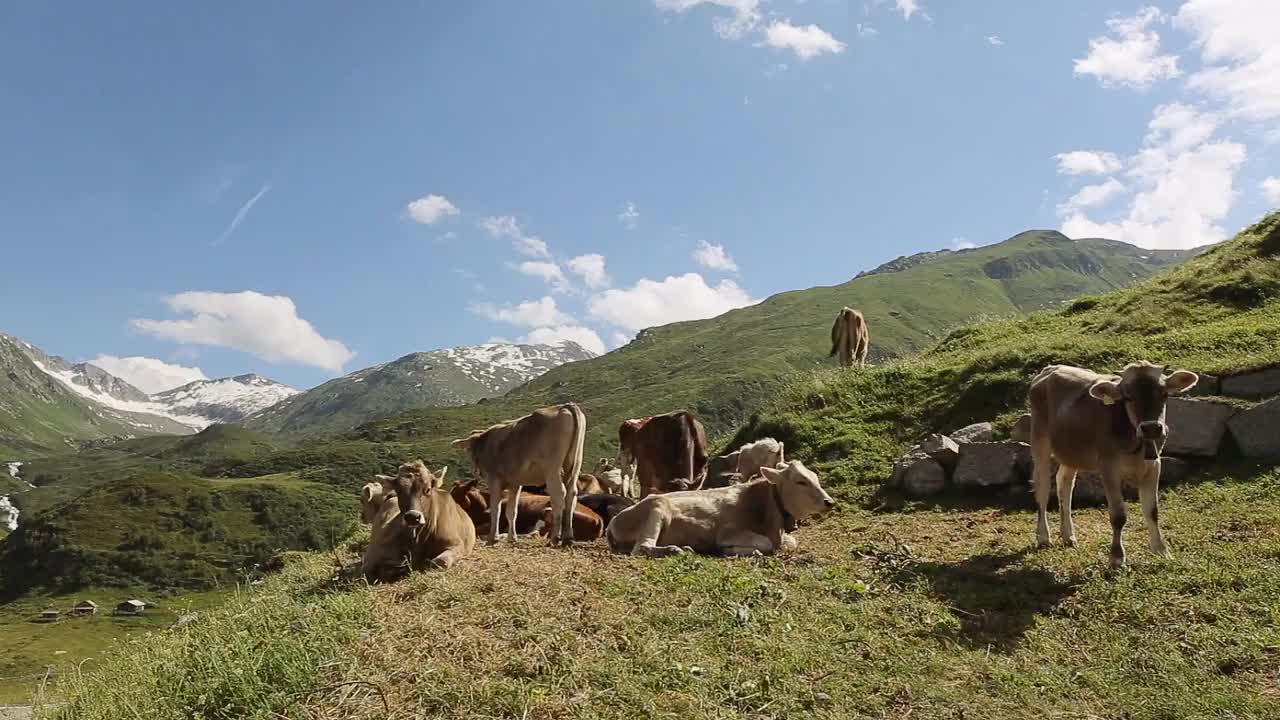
1108 424
670 452
606 506
587 525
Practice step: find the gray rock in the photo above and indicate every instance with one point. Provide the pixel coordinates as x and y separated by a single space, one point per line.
1207 386
984 464
1196 427
1257 431
924 477
906 461
941 448
1088 488
1174 471
1021 430
975 433
1257 384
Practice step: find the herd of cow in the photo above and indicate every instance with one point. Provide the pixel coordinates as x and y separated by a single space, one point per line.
658 498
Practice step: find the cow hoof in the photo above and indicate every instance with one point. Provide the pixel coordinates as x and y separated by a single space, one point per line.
686 549
1069 541
1042 543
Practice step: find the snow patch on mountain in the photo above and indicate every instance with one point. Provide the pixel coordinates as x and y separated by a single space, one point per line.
68 378
498 366
223 400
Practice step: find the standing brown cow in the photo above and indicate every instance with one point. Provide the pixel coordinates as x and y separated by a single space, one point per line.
670 451
850 338
1111 425
543 448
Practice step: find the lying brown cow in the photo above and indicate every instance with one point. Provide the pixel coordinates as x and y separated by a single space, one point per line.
670 452
606 506
739 520
587 525
850 338
1111 425
414 523
542 448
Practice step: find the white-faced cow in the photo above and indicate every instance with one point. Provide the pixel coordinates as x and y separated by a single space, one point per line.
738 520
850 338
670 451
1108 424
543 448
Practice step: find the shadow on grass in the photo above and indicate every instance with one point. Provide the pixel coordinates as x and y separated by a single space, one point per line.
994 597
1006 499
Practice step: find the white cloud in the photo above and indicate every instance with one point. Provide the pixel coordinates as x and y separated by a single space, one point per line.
807 42
1185 186
1271 190
265 325
959 243
1092 196
148 374
714 257
243 212
650 303
1086 162
1239 53
530 313
506 226
550 273
866 31
430 209
590 268
994 40
1131 58
555 334
745 17
620 339
909 8
629 216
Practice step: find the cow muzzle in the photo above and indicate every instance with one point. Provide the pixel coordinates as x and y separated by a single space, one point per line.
1152 430
413 518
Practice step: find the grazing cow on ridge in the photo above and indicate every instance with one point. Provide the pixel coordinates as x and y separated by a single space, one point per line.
542 448
740 520
670 452
1108 424
850 338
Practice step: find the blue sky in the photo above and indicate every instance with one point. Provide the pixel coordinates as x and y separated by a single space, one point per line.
300 189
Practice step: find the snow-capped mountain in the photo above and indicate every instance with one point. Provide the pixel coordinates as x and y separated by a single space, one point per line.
225 400
440 378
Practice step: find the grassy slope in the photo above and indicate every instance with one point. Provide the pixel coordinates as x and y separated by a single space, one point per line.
939 610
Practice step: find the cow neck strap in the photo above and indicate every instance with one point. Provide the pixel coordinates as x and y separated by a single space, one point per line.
777 499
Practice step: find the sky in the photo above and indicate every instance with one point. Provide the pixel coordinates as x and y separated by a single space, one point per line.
304 188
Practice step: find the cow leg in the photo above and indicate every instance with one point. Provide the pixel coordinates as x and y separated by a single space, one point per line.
444 559
495 510
1042 480
1149 494
744 543
513 508
1111 485
1066 485
647 536
556 488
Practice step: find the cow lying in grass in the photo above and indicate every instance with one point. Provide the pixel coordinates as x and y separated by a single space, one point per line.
1108 424
415 524
532 516
742 519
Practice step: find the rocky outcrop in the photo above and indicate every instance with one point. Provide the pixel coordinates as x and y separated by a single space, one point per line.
1021 430
1252 385
975 433
919 475
1196 427
985 464
1257 431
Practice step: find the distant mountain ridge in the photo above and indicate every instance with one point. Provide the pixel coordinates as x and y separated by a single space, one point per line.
440 378
225 400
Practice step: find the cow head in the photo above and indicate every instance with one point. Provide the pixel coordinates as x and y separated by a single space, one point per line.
798 488
604 465
1144 389
411 485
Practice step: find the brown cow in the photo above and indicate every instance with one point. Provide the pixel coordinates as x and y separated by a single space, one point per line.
1108 424
670 452
850 338
587 525
626 461
384 558
765 452
414 520
532 517
739 520
542 448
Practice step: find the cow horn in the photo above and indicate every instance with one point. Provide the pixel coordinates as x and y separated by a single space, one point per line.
458 442
444 472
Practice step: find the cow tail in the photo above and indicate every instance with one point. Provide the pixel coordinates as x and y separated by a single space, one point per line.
579 441
687 437
835 334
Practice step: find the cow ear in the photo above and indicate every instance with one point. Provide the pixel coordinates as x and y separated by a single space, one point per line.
459 442
443 472
1180 381
780 451
367 493
1106 391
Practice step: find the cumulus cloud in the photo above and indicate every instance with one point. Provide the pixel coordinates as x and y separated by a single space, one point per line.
1092 196
909 8
629 216
744 17
590 268
530 313
620 339
1086 162
148 374
650 303
1271 190
959 243
1131 56
430 209
550 273
555 334
267 326
506 226
1184 182
714 257
1240 57
807 41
